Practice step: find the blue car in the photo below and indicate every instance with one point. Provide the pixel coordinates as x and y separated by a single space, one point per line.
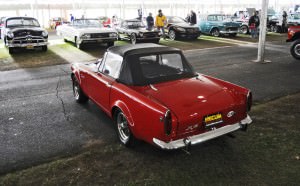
218 25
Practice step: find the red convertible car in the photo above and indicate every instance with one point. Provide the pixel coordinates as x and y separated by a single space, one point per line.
153 94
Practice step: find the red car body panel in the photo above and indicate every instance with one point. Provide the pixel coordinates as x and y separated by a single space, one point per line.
188 99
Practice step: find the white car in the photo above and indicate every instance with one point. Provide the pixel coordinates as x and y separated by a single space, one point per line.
84 31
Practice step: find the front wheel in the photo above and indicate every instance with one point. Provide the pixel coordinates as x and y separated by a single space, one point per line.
109 44
295 49
78 45
172 35
79 95
133 39
215 32
123 130
244 29
44 48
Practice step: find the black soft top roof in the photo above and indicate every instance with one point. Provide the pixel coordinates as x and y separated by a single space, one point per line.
140 49
20 17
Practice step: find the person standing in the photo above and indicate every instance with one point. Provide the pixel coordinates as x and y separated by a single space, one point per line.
71 18
254 24
284 22
193 18
160 22
150 21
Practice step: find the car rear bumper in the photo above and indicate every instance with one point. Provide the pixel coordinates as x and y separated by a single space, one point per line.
200 138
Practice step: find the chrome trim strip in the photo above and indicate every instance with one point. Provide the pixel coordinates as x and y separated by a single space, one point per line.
200 138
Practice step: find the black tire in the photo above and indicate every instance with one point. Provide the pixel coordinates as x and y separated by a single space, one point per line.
77 44
44 48
123 131
79 95
215 32
172 35
11 50
295 49
65 40
244 29
133 39
109 44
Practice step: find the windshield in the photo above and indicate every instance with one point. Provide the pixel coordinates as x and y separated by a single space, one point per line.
134 24
176 20
15 22
87 23
156 68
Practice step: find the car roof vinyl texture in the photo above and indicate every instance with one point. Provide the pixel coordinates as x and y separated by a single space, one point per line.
140 48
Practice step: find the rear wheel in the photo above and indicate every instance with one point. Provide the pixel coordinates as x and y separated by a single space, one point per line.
79 95
133 39
215 32
295 49
172 35
123 130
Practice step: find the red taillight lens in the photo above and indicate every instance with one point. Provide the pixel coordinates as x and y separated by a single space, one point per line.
249 101
168 123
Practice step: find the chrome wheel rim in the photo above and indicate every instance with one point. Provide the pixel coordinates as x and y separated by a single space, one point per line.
216 33
297 49
76 90
172 34
244 30
123 129
133 39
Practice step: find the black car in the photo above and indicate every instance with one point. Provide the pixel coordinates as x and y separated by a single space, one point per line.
24 32
179 28
135 31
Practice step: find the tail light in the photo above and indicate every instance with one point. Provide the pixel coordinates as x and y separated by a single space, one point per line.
249 101
168 123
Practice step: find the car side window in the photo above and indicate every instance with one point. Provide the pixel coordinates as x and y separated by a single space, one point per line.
111 65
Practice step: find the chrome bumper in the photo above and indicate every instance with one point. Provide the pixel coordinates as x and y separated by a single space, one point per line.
196 139
229 32
98 40
23 45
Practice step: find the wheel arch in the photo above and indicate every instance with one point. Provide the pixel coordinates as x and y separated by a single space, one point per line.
212 28
296 36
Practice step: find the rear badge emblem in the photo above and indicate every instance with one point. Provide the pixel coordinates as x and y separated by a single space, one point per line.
230 114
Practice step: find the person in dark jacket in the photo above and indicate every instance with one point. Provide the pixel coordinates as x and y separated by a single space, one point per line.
254 24
150 22
193 18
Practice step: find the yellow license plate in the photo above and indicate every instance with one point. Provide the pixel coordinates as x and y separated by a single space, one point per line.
213 118
29 46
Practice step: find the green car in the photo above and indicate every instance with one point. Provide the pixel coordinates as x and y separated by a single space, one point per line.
218 25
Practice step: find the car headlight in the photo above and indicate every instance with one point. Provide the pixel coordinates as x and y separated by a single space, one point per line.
10 34
85 36
113 35
180 29
44 33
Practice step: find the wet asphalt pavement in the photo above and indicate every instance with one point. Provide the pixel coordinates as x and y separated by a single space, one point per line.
40 120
